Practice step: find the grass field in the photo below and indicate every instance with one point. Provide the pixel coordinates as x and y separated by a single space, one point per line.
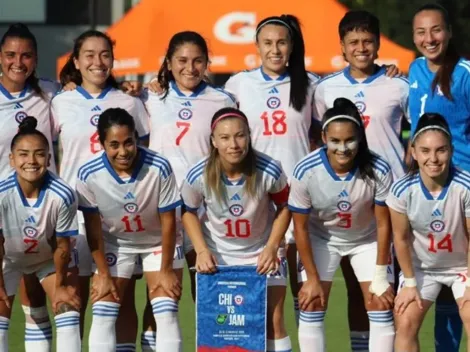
336 321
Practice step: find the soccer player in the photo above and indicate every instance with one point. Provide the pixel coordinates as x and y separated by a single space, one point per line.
382 102
342 188
238 187
430 211
277 98
75 116
440 83
23 94
128 196
37 218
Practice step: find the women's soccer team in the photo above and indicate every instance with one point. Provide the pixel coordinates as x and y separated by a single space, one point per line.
280 169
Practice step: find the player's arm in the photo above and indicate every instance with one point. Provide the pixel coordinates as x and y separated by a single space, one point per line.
61 260
94 235
3 293
402 242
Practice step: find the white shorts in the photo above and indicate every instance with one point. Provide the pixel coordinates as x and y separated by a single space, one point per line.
124 264
429 285
278 278
85 259
327 257
12 274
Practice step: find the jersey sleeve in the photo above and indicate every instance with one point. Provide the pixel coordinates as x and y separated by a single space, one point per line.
169 197
191 194
404 99
299 196
231 85
396 198
319 106
383 183
67 224
141 119
86 198
279 191
55 126
466 205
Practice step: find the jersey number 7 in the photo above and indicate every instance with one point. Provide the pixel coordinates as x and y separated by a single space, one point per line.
184 127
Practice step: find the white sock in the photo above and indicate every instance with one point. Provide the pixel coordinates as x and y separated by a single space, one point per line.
312 331
125 347
38 329
296 310
103 327
359 341
148 341
279 345
165 311
68 332
4 324
382 331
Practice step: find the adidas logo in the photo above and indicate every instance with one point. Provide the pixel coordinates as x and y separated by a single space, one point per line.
235 197
186 103
129 195
414 85
18 106
360 95
343 194
30 220
436 213
96 108
273 91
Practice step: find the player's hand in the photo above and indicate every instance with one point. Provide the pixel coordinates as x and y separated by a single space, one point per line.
206 262
69 86
4 296
392 71
170 283
268 262
154 86
311 290
103 285
132 88
406 296
465 298
387 298
65 294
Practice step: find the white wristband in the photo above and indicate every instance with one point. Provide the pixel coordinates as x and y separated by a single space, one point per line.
410 282
379 283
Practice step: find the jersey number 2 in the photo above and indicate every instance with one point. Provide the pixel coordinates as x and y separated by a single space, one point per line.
31 246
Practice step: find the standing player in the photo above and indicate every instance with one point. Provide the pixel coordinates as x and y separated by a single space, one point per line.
37 219
440 83
433 199
382 102
128 195
75 115
342 188
22 94
238 188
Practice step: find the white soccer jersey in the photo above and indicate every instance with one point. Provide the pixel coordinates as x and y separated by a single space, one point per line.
14 108
181 124
75 115
438 222
382 102
277 129
341 208
241 226
129 208
29 229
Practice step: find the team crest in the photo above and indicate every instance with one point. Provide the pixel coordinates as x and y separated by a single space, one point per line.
438 226
273 102
131 208
236 210
94 120
30 232
344 206
20 115
185 114
361 106
238 300
111 259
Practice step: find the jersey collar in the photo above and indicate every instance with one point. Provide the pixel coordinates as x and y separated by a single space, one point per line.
444 191
42 192
135 172
268 78
379 72
88 96
7 94
332 172
194 94
227 182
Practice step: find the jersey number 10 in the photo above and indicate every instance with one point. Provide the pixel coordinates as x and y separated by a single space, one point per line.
239 228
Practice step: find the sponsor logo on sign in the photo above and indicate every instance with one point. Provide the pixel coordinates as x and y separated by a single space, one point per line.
236 28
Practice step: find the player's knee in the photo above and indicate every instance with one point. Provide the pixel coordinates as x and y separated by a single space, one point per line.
376 305
407 325
65 308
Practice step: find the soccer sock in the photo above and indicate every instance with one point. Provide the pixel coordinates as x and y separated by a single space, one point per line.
296 310
4 324
165 311
38 331
447 327
312 331
125 347
68 332
359 341
148 341
103 327
279 345
382 331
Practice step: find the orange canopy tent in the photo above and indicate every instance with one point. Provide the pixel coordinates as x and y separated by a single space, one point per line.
142 35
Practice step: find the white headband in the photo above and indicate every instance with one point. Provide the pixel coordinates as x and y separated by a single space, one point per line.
338 117
274 20
431 127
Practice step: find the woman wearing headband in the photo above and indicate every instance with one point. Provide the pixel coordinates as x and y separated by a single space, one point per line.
244 193
342 189
430 212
